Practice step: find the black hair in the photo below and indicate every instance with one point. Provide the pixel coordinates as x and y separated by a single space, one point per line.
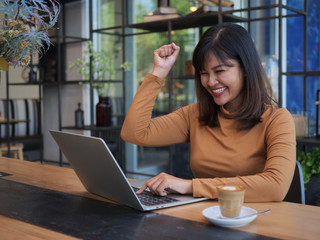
229 41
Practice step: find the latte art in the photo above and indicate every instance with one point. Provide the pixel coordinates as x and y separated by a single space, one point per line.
231 188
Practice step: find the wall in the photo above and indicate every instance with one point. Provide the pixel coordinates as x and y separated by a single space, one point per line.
14 75
75 25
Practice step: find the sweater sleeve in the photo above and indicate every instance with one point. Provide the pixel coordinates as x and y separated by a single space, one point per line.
140 128
273 183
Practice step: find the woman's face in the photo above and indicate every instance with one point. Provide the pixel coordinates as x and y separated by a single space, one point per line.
224 83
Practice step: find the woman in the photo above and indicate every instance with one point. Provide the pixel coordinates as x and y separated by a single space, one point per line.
236 135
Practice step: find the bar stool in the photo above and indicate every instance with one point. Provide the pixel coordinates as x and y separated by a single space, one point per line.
15 148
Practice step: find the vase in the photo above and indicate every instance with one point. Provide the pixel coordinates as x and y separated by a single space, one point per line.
103 112
4 65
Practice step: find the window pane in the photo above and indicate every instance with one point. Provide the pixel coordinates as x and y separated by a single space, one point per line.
153 160
313 84
295 44
140 8
108 13
297 4
294 97
265 37
262 3
313 35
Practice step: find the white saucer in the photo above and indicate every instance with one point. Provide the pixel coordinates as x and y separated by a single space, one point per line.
213 215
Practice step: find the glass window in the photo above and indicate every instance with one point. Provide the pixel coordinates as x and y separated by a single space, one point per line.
180 87
107 13
295 44
313 35
265 36
295 93
296 86
297 4
313 84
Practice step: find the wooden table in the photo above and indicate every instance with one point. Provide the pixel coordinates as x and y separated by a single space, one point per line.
286 221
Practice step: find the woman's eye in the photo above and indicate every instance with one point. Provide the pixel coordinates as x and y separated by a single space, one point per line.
220 71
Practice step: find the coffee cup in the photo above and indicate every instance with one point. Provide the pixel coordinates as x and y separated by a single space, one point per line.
230 198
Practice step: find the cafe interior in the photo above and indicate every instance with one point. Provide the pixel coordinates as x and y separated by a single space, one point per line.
80 74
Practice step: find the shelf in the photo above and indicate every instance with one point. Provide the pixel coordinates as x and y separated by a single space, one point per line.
17 138
64 82
22 83
68 1
13 121
92 128
203 20
309 73
308 141
196 21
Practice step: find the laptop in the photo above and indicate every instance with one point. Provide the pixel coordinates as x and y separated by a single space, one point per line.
99 172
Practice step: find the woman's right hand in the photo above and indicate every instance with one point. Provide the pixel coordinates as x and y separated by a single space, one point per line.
164 58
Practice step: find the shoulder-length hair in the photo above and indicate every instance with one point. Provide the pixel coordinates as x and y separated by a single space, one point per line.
227 42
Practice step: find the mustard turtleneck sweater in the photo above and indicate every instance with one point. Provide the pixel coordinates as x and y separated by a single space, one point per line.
262 159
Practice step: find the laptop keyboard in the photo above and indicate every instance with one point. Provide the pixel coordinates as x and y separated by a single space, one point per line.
149 199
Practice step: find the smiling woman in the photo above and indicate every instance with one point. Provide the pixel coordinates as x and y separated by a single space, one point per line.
223 82
231 45
236 135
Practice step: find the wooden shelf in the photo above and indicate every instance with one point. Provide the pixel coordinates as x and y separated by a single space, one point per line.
196 21
185 22
309 141
92 128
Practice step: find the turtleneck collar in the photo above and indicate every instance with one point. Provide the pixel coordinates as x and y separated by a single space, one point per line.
226 113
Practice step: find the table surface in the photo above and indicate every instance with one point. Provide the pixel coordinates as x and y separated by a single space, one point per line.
286 220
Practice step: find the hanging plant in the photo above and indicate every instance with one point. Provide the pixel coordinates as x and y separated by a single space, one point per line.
24 28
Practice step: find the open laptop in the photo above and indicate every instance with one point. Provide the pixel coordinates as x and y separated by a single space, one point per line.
100 173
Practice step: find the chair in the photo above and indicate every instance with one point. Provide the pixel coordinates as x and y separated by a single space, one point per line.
16 149
296 191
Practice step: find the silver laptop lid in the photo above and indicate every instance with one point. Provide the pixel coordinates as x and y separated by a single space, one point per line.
96 167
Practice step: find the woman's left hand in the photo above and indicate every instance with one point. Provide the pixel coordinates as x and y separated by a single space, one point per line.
164 183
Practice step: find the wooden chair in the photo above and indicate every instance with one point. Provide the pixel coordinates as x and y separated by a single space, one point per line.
15 148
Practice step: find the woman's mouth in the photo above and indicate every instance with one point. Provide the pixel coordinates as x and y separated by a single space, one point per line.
219 91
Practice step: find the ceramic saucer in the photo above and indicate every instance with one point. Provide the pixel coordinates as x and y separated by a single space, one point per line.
213 215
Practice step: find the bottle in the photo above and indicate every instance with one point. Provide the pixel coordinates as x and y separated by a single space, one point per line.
103 112
79 118
33 74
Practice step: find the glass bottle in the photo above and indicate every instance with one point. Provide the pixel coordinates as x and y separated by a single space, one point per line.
33 74
103 112
79 118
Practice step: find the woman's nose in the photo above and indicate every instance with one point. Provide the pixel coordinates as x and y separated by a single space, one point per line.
212 80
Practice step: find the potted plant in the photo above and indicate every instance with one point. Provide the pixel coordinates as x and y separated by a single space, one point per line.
310 164
103 68
24 29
